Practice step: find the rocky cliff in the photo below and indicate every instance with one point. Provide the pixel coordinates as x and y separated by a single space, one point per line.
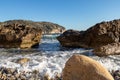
46 27
19 35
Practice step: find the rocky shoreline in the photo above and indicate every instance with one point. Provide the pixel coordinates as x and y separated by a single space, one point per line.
103 38
46 27
13 74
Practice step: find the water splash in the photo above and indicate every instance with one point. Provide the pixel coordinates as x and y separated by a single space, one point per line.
49 58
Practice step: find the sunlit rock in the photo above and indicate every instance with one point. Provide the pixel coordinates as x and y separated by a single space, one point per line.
98 35
80 67
19 35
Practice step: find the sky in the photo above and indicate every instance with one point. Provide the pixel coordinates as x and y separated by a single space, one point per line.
72 14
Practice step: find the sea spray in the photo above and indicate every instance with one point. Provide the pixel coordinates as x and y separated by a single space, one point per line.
49 58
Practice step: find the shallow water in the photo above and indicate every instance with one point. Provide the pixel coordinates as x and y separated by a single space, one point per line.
49 58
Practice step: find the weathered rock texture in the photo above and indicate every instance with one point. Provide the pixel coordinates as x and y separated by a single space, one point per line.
19 34
110 49
80 67
46 27
25 34
100 34
97 37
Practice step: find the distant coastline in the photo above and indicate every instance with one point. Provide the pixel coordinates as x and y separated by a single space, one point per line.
47 27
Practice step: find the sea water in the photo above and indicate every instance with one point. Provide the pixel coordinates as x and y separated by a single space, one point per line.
49 57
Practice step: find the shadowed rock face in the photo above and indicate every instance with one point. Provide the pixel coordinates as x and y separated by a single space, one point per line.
104 37
110 49
100 34
71 38
18 34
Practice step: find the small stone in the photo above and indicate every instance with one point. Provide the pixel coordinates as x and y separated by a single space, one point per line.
35 72
17 75
31 78
0 76
13 77
23 77
23 60
4 76
117 78
46 77
57 77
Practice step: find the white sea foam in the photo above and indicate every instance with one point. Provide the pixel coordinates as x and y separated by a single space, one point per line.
49 58
110 62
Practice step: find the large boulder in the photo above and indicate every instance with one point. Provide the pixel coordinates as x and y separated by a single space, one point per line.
70 38
19 35
80 67
98 35
110 49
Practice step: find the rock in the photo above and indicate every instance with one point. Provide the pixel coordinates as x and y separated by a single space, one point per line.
22 77
50 28
46 77
98 35
23 60
13 74
19 35
116 74
80 67
46 27
110 49
4 77
70 38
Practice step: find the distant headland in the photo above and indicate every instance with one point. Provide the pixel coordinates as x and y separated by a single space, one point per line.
46 27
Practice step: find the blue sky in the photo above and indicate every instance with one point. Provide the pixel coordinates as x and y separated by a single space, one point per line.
73 14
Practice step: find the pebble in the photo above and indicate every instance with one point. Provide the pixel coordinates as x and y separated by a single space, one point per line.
12 74
116 74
